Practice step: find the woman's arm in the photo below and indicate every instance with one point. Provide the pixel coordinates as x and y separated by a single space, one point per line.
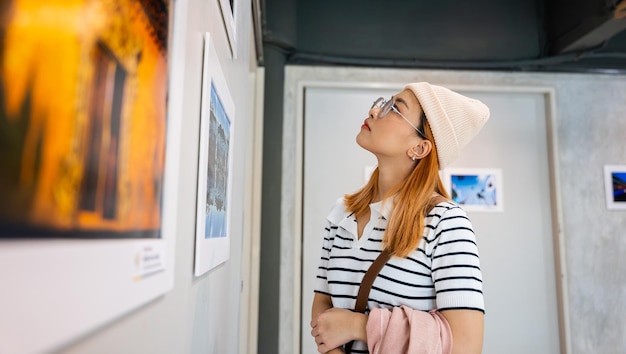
467 330
321 303
458 280
333 327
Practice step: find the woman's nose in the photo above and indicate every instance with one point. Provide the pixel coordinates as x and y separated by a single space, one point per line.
373 112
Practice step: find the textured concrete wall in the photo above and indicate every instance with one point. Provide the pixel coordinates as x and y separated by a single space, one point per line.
591 133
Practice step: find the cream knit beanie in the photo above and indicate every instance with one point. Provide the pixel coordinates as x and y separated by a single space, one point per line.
453 118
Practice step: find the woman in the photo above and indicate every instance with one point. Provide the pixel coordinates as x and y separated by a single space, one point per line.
405 209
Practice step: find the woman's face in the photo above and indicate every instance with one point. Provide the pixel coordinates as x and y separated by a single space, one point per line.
392 135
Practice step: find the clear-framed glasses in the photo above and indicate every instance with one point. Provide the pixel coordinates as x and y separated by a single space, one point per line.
388 106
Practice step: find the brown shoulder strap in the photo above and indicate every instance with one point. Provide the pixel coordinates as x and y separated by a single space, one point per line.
368 280
366 286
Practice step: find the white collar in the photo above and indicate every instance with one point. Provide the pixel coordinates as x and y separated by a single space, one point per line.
339 212
384 207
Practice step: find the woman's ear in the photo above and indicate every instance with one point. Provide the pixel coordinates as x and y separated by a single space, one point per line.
420 150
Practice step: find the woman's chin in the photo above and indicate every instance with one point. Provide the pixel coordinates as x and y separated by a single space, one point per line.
360 140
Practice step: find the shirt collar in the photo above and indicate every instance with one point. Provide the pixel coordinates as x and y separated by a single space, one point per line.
383 207
339 212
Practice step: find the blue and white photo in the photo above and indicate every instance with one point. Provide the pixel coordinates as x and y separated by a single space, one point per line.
615 186
215 165
217 172
475 189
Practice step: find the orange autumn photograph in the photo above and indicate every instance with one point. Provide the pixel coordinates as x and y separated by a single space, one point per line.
83 88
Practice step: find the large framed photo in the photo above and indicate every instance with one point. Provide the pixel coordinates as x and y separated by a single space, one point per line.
86 228
217 116
615 186
475 189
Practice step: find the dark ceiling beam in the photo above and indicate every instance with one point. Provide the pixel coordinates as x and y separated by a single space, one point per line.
280 24
593 31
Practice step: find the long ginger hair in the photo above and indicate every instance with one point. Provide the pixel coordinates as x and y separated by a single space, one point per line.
413 199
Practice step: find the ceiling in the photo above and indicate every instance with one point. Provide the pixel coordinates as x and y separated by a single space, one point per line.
520 35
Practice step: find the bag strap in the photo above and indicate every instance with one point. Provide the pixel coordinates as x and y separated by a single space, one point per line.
374 269
366 286
368 280
379 263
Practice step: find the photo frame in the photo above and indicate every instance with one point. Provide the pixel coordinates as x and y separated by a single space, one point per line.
475 189
215 165
90 234
229 15
615 186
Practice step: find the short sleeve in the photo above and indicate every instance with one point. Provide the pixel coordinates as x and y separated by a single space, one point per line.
321 281
455 263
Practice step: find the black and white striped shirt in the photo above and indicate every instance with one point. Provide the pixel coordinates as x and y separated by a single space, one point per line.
442 273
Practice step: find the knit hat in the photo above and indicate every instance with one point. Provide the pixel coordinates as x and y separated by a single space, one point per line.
453 118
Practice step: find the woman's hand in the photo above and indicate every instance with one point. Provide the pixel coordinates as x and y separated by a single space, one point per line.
336 351
335 327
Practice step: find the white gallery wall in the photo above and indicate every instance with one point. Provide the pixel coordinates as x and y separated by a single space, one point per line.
199 314
590 132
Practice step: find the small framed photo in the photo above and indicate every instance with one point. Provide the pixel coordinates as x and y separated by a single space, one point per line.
230 20
475 189
615 186
215 165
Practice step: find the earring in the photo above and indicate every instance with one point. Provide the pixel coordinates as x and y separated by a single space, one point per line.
412 158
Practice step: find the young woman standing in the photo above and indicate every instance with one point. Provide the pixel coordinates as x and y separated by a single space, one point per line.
405 210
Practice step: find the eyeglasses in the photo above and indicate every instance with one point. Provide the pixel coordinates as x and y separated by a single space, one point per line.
388 106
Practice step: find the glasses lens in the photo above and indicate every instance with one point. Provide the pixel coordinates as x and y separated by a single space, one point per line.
386 108
378 103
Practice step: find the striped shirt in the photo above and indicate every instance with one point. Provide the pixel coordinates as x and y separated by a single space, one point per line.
442 273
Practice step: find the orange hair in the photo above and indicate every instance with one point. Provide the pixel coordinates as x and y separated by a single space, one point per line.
413 199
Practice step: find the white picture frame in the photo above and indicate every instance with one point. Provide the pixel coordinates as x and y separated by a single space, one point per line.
475 189
615 187
56 290
215 165
229 15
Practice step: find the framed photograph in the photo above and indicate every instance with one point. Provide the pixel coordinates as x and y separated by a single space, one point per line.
475 189
86 228
615 186
217 116
229 15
